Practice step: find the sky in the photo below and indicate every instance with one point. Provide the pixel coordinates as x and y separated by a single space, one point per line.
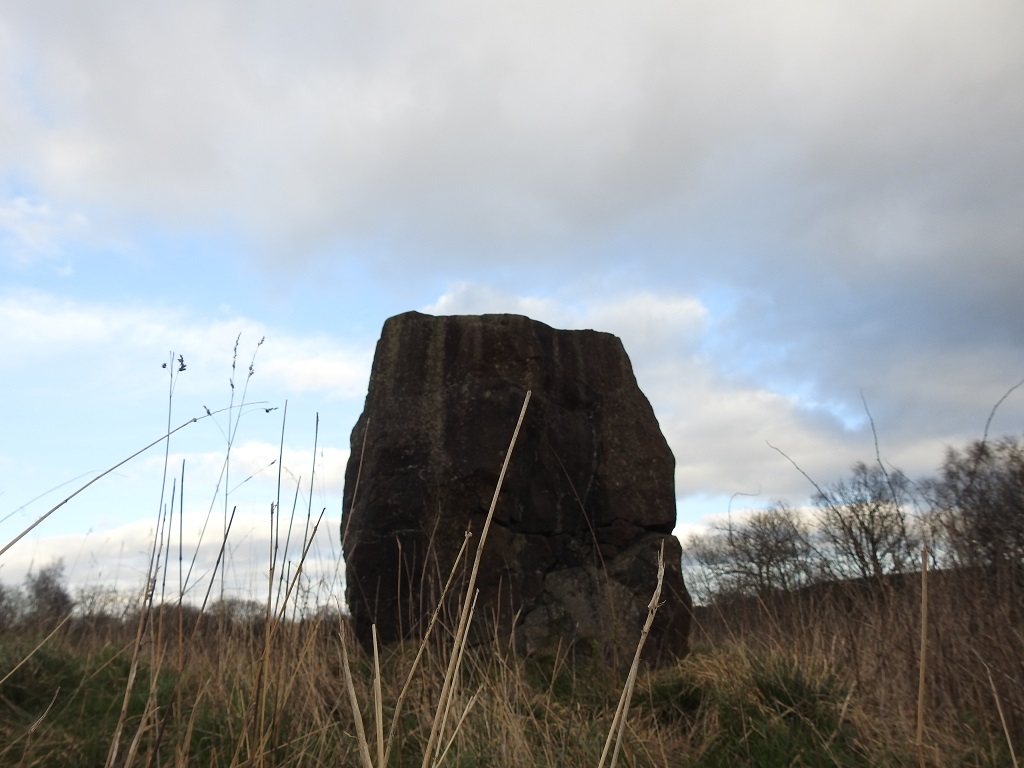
798 216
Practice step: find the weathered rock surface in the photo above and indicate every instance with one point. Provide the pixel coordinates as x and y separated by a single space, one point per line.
588 500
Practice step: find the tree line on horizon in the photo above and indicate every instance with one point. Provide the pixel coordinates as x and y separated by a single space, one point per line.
872 524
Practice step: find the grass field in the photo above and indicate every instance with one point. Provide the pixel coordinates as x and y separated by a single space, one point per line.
896 671
829 677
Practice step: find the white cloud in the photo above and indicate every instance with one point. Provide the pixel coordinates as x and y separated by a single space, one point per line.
653 324
31 231
38 325
645 321
474 299
119 557
35 327
340 372
24 223
85 388
256 463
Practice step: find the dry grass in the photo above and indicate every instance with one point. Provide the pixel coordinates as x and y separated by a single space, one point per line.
241 700
827 676
870 635
175 685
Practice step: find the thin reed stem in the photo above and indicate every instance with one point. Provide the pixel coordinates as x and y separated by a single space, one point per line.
922 677
460 635
618 726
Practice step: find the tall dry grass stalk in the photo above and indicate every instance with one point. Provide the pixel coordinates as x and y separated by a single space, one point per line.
922 665
469 600
95 480
1002 715
622 710
434 752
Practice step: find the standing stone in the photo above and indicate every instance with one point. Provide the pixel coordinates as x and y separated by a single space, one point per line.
588 501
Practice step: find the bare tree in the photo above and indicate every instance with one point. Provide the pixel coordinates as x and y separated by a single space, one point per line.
767 551
47 592
706 563
979 500
12 606
865 522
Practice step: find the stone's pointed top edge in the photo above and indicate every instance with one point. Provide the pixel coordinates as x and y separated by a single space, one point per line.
486 317
496 318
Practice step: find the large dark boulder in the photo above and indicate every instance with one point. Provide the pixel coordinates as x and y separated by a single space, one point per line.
588 501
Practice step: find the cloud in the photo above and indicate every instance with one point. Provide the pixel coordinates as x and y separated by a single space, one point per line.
473 299
737 424
119 557
780 208
646 321
843 172
37 327
84 389
257 463
848 171
449 130
31 232
717 426
329 369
